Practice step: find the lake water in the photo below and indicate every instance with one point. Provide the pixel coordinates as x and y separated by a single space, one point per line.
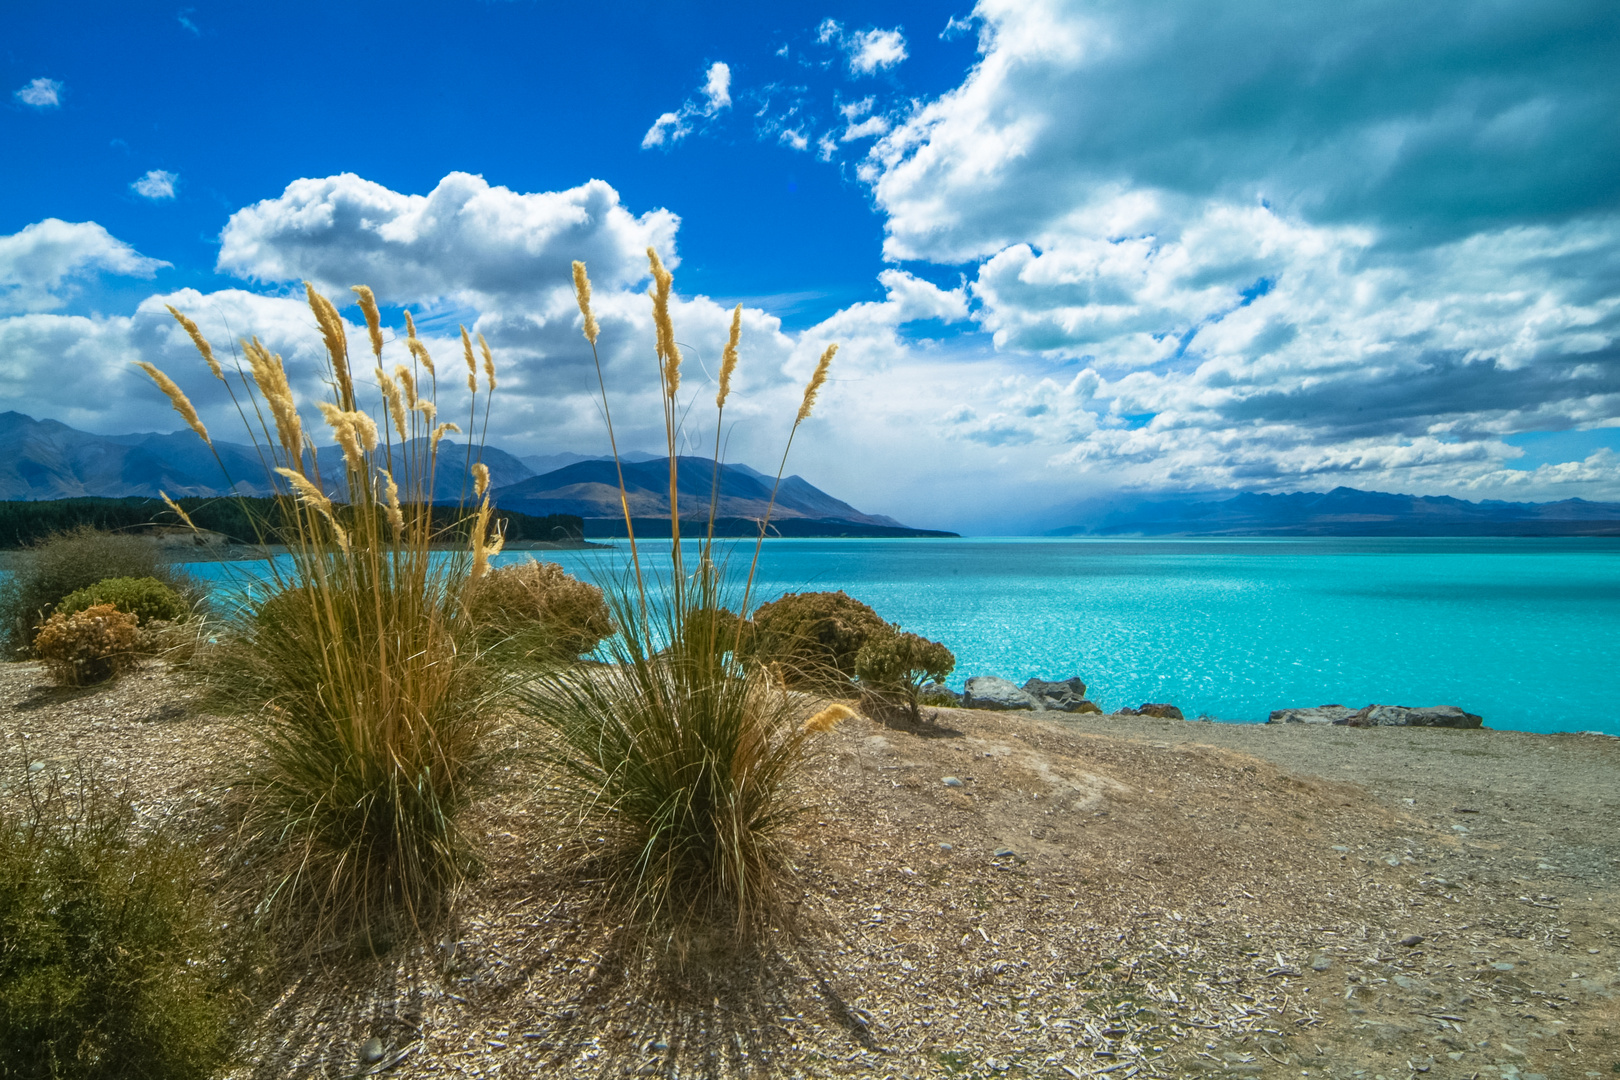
1525 632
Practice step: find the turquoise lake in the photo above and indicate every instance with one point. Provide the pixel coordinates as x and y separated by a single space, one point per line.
1525 632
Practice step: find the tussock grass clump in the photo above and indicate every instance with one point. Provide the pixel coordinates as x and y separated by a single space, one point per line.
89 646
356 663
538 612
675 759
112 964
63 563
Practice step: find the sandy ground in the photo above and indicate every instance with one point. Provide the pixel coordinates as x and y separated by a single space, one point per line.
1105 896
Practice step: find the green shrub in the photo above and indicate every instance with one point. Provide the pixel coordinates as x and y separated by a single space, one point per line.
89 646
110 961
145 598
894 667
538 611
813 638
65 563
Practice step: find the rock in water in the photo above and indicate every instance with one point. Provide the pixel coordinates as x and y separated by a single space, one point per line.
1451 716
1322 714
1057 696
989 692
1163 712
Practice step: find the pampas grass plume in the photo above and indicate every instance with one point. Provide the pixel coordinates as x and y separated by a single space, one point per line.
185 517
337 342
480 473
177 398
198 340
827 719
668 351
441 431
396 401
368 305
814 386
489 362
728 360
582 292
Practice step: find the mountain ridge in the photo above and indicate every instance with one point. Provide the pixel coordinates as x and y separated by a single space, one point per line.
1345 511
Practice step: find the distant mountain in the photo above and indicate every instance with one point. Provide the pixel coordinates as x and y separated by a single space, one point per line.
544 463
45 459
591 490
1346 512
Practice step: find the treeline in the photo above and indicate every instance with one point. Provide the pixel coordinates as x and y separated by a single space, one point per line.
240 520
732 527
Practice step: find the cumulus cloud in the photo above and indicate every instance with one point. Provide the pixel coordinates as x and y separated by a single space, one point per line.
467 241
40 94
712 97
868 51
1361 248
156 184
40 265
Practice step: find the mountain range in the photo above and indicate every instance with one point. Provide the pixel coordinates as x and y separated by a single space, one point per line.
1342 512
46 459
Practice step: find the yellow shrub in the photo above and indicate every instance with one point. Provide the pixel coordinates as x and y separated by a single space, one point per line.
88 646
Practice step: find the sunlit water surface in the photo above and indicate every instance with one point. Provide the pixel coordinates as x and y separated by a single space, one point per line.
1525 632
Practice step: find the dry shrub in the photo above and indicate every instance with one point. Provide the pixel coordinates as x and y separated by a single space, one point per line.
89 646
65 562
894 668
814 638
538 611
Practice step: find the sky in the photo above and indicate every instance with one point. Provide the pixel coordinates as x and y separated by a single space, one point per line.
1067 249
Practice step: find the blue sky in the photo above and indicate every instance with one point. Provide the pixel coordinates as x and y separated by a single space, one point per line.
1067 247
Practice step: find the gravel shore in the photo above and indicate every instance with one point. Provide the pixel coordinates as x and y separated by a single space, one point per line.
1098 896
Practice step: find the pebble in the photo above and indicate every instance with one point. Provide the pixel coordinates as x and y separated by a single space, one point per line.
1321 963
371 1051
1410 940
1502 966
951 781
946 847
1002 853
36 766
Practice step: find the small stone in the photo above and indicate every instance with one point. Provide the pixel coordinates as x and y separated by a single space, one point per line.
1411 940
946 847
1393 861
1340 848
36 766
371 1051
1320 963
1002 853
1545 866
951 781
1501 965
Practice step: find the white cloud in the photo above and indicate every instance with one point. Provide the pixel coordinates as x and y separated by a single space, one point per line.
868 51
40 94
466 241
1317 261
156 184
672 127
38 266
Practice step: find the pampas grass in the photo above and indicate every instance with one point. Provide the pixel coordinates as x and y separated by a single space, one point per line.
674 755
355 663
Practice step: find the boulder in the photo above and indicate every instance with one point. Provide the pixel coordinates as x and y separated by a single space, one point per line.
1066 696
1163 712
989 692
938 694
1322 714
1451 716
